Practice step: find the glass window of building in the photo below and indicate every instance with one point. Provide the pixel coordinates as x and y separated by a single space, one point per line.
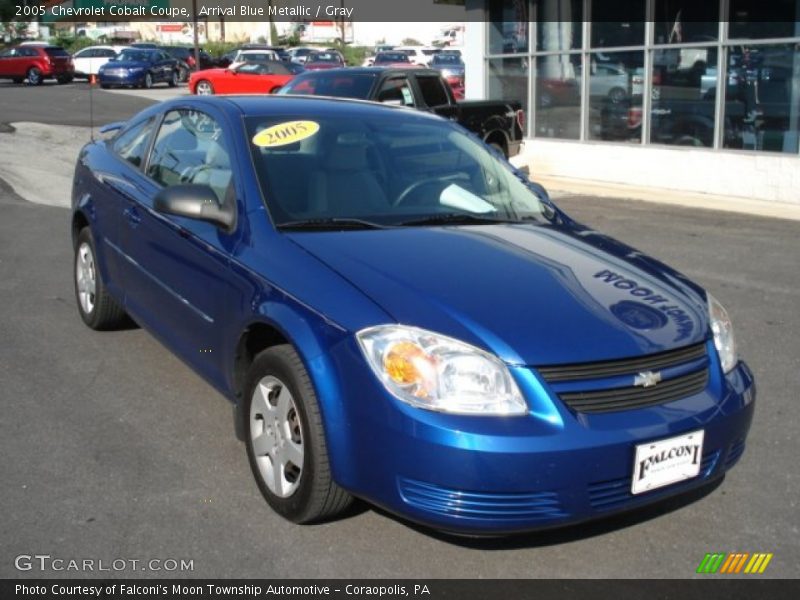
686 21
616 85
754 19
617 23
508 79
762 105
508 27
558 96
683 94
559 24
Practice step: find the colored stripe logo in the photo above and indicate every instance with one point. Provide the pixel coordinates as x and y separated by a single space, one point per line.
735 563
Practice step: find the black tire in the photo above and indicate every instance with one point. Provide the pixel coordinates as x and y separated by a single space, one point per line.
35 76
18 80
105 86
317 497
617 95
147 82
183 75
106 313
173 79
64 79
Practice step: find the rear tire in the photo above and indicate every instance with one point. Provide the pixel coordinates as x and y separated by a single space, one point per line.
173 79
35 76
283 426
64 79
18 80
97 308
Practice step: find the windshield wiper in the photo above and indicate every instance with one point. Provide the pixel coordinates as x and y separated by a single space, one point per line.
330 223
456 219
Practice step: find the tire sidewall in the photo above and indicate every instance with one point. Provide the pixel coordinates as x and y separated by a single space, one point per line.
37 73
147 83
274 362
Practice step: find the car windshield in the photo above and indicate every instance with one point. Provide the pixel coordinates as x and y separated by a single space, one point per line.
332 83
447 59
134 55
377 171
324 57
391 57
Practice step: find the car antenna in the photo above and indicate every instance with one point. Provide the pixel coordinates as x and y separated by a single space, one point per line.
92 83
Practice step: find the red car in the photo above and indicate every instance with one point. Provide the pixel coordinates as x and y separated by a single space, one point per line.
249 78
317 61
36 63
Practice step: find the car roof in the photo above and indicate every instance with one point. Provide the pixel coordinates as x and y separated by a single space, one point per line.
310 107
375 70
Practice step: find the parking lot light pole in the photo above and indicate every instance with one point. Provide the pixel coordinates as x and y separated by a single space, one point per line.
196 37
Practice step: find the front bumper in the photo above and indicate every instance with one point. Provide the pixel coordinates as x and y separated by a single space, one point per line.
134 79
552 467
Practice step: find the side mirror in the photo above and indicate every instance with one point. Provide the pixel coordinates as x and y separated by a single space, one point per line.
275 90
193 201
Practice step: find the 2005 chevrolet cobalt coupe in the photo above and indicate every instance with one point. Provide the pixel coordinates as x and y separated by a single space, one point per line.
399 315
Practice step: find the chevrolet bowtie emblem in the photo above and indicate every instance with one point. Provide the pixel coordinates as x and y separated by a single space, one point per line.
647 379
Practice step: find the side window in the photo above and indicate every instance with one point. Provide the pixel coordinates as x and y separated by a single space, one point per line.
190 148
433 92
131 144
107 53
396 91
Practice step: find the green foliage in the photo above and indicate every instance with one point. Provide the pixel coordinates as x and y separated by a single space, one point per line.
411 42
217 49
353 55
73 44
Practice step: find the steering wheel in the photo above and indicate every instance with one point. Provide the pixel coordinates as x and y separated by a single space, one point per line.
414 186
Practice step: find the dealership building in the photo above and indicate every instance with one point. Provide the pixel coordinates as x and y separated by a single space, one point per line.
699 96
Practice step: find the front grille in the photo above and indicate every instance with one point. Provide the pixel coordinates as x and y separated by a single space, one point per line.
606 495
628 398
480 505
609 368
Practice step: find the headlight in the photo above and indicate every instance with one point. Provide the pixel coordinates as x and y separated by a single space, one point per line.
722 328
439 373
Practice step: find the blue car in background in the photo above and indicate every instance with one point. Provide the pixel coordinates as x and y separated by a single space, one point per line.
139 67
398 315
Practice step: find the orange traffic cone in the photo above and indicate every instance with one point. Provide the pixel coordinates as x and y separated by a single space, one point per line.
92 79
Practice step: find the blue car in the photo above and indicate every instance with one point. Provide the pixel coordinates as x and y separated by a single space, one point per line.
139 67
398 315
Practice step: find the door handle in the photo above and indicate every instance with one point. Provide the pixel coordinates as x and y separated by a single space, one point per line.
132 216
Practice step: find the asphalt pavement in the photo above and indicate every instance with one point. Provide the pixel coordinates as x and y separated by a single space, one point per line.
113 448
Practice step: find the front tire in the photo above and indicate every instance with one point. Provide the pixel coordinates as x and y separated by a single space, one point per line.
96 307
148 81
204 88
285 439
173 79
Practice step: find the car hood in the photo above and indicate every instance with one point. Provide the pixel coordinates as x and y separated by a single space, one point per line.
126 64
532 294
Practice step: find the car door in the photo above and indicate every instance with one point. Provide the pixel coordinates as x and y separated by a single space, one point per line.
177 268
83 60
101 57
7 62
116 186
396 90
432 93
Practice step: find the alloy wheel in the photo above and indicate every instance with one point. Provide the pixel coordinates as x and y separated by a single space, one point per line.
86 277
276 436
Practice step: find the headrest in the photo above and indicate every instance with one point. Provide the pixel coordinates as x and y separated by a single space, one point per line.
181 140
217 157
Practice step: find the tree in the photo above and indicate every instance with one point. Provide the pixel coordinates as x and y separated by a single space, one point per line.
410 42
10 25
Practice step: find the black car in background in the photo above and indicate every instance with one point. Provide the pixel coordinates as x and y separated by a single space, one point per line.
499 123
186 60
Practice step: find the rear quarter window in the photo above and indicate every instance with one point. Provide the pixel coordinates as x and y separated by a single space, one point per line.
56 51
